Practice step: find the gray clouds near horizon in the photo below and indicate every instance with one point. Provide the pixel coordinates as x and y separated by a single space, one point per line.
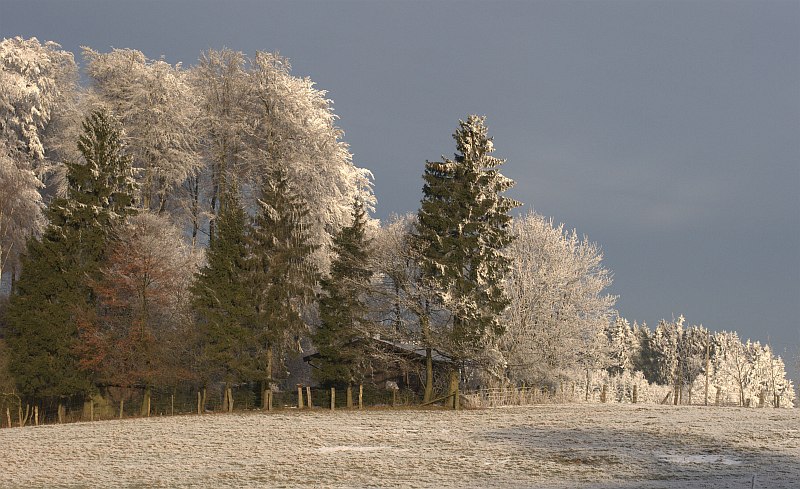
668 131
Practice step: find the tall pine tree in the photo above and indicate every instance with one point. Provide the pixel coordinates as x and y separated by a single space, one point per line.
343 313
462 230
54 286
222 299
283 270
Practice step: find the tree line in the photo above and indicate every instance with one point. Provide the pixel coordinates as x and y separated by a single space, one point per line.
168 226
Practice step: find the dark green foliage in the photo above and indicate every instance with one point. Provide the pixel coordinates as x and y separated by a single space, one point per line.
340 338
647 359
54 289
463 228
283 273
222 298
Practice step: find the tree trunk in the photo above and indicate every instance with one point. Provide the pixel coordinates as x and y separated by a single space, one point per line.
349 396
8 416
145 410
428 376
635 393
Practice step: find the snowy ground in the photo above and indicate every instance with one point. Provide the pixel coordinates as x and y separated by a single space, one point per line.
598 446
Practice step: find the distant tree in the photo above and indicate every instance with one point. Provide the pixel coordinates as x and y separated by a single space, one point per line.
344 326
733 368
283 272
691 358
54 285
462 232
623 346
223 300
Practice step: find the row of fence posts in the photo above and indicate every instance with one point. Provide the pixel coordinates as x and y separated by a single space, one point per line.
303 402
349 392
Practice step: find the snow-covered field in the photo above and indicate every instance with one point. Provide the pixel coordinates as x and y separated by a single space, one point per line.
593 445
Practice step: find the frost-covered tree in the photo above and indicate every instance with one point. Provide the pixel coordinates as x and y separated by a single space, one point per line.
223 88
283 272
691 359
733 370
622 346
38 87
54 284
559 308
256 117
158 109
462 233
295 130
344 322
20 209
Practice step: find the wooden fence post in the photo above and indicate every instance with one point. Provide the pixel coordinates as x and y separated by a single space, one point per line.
299 396
199 407
635 393
394 397
308 397
91 410
8 416
361 396
349 396
36 415
333 398
121 407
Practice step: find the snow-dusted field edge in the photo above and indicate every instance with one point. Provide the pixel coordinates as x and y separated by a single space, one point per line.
534 446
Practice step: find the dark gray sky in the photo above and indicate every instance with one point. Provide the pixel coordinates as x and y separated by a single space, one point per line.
667 131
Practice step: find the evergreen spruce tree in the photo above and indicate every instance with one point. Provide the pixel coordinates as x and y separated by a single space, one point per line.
283 272
223 300
53 289
462 230
343 313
